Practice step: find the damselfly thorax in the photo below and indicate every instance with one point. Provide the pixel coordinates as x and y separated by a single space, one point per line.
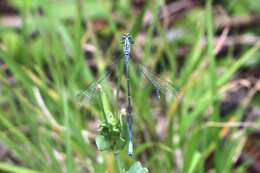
127 40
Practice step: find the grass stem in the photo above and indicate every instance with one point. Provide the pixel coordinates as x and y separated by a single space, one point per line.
119 163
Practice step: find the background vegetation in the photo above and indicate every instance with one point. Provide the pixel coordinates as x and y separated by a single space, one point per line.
51 49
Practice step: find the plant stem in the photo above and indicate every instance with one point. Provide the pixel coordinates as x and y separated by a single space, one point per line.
69 157
119 163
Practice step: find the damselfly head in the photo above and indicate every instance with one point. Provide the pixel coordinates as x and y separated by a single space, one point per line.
128 36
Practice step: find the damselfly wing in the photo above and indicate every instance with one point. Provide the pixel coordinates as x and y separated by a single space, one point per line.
161 86
85 97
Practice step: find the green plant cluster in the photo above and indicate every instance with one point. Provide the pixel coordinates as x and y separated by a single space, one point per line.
58 48
110 135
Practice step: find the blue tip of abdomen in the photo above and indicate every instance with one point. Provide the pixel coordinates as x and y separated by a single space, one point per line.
130 148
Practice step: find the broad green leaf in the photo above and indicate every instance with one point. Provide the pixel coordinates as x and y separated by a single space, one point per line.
137 168
102 143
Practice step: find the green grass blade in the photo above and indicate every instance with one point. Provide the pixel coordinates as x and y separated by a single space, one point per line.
15 169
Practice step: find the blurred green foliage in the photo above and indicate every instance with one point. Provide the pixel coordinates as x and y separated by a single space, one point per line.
50 57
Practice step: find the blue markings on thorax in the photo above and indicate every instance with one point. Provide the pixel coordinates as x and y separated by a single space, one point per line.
127 40
126 47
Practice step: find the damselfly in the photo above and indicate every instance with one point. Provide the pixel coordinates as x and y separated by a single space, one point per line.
161 86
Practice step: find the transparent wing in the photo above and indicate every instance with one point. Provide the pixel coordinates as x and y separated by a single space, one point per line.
161 86
85 96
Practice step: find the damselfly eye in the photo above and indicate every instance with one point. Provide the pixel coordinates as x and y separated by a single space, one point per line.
123 39
124 35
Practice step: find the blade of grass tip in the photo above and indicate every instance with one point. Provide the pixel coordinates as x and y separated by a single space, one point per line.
195 160
168 50
80 9
244 58
139 20
79 32
112 23
15 169
98 53
212 62
69 157
193 60
149 35
24 12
